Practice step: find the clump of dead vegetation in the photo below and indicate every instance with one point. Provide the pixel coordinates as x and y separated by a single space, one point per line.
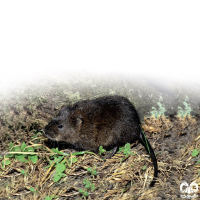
84 174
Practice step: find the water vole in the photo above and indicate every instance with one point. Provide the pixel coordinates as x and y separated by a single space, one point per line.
109 121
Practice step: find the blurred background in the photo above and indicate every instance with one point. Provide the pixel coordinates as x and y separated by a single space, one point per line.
158 82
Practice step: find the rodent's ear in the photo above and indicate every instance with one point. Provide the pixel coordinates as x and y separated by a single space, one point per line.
63 110
79 120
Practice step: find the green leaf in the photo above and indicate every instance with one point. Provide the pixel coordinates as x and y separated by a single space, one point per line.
146 140
58 159
87 185
60 167
89 169
94 172
127 149
195 152
72 160
7 162
101 150
48 198
23 146
82 152
59 152
30 149
51 197
22 171
16 149
9 156
32 189
144 168
120 149
58 176
11 145
84 181
80 190
21 158
92 187
33 158
85 193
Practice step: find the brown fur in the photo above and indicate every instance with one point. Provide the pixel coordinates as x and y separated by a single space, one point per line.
109 121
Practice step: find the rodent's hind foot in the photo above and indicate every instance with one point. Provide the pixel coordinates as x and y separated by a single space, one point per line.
110 155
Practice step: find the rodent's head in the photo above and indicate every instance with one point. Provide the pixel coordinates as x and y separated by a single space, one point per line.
65 127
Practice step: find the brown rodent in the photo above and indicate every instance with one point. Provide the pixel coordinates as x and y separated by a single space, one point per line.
109 121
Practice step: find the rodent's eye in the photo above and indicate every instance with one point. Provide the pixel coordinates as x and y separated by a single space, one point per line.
60 126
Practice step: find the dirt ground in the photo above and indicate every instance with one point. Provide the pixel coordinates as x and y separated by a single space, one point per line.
22 119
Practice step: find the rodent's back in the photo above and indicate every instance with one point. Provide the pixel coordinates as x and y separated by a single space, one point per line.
110 121
106 121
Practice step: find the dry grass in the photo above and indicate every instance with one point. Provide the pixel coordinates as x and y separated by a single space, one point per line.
117 178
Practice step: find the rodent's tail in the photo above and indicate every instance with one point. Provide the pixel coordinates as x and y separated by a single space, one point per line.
149 149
